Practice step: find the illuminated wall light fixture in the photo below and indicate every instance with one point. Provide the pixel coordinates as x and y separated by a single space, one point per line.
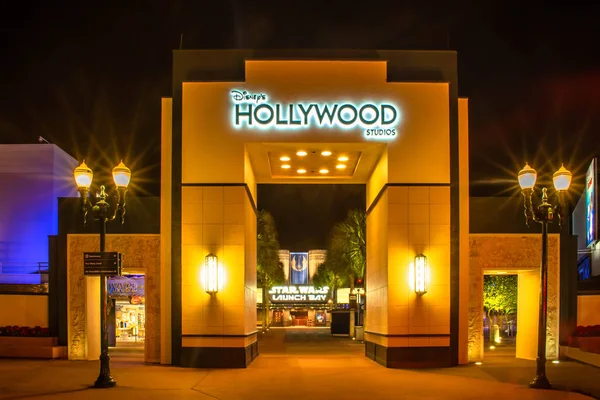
326 153
284 158
301 153
420 274
301 171
211 271
324 171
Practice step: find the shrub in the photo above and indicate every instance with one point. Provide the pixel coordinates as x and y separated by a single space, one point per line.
23 331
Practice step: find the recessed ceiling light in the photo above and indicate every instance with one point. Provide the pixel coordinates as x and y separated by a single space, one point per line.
340 166
324 171
301 171
326 153
301 153
286 166
343 158
284 158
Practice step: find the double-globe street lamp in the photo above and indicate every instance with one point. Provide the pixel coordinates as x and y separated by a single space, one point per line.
543 212
105 207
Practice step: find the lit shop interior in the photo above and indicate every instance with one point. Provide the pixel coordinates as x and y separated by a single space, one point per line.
126 311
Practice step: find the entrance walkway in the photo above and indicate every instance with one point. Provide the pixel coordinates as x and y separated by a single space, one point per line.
301 363
307 340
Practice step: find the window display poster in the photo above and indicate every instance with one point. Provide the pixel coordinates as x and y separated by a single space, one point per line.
321 317
590 204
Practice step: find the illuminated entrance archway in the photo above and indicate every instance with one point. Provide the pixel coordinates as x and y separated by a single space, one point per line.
515 254
235 117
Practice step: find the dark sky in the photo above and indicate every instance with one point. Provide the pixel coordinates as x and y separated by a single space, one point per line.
88 76
304 214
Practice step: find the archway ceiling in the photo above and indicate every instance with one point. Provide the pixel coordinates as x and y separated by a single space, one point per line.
266 159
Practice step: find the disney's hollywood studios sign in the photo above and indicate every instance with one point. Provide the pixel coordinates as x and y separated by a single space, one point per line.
377 120
299 294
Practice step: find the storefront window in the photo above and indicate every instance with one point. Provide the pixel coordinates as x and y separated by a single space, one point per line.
127 314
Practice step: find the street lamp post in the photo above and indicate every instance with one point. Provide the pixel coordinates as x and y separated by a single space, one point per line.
543 213
105 208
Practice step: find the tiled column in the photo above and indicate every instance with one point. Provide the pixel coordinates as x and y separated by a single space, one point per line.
218 330
405 329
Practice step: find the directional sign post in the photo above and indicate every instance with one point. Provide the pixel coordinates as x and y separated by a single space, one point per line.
102 263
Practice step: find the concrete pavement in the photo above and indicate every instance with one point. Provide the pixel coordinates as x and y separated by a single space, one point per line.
294 364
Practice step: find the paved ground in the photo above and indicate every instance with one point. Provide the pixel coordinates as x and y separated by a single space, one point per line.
294 364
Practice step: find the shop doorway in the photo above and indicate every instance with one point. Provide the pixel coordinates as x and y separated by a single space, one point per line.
127 312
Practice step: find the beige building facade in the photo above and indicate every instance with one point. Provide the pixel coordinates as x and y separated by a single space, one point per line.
394 121
242 118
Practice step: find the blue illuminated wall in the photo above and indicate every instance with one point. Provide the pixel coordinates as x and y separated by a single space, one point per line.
32 177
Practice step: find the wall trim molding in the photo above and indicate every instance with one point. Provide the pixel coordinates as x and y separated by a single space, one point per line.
410 335
219 336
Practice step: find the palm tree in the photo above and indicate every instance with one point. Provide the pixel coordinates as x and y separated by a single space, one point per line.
269 271
347 253
327 275
352 232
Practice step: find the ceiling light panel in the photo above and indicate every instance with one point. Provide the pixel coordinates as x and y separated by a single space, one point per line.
305 163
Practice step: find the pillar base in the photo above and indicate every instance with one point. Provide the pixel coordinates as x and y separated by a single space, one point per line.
409 357
218 357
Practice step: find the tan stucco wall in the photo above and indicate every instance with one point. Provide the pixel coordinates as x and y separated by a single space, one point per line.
141 255
516 254
166 203
218 220
24 310
588 310
528 306
463 152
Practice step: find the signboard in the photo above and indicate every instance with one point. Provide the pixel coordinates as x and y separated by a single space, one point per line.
125 286
352 301
376 119
299 268
591 204
299 294
102 263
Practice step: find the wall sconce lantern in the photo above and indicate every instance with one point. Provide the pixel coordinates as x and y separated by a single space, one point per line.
420 274
211 271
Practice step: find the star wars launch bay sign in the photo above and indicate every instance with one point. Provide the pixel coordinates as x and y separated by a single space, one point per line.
299 294
251 110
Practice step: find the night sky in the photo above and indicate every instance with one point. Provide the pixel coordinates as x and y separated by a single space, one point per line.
89 76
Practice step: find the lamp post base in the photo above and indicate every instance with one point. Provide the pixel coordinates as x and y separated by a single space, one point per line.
540 382
104 379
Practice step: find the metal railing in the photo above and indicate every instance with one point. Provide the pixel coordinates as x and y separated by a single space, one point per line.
24 268
14 273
